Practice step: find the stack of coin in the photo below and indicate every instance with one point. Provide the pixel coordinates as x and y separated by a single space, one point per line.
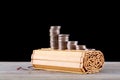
54 32
71 45
81 47
91 49
62 40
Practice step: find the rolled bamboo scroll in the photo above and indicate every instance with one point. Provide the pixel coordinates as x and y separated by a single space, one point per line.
75 61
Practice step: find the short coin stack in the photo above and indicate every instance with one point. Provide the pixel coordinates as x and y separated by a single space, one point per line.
71 45
62 40
81 47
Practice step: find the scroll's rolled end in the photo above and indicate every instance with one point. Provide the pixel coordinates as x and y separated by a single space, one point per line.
93 61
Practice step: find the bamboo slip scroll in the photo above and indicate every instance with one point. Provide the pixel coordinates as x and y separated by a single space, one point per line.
74 61
67 56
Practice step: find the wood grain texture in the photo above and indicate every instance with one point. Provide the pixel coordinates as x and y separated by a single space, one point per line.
8 71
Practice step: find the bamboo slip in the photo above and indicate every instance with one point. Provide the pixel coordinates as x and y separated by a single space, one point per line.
75 61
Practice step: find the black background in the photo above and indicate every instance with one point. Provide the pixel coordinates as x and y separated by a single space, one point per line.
25 29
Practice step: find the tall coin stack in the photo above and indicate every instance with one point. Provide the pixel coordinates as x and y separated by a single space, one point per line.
63 39
71 45
54 32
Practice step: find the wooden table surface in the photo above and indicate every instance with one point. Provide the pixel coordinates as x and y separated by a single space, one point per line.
8 71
